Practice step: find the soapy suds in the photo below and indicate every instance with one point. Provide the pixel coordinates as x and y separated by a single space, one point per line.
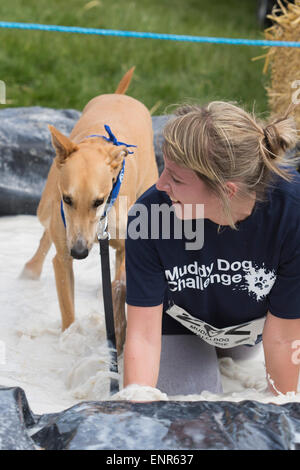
58 370
140 393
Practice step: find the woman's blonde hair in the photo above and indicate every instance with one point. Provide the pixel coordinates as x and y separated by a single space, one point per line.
222 142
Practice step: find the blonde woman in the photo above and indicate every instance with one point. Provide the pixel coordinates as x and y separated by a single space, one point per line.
242 284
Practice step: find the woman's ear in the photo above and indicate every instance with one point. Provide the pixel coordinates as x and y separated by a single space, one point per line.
231 189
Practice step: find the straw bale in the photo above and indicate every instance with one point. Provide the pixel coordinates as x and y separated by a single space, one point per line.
284 62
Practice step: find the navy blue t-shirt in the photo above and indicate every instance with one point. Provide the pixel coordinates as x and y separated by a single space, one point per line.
236 277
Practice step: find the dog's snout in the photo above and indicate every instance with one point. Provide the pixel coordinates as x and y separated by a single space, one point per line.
79 250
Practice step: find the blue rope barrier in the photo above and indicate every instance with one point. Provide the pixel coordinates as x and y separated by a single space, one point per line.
135 34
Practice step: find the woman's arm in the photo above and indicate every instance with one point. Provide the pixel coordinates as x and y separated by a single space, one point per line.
281 342
143 345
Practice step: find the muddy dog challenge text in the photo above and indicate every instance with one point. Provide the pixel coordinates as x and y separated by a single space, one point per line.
199 276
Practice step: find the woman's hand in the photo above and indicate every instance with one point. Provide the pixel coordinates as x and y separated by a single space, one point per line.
140 394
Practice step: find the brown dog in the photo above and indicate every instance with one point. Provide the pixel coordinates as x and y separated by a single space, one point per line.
82 175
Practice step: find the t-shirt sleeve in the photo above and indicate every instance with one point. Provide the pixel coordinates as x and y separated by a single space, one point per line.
145 280
284 297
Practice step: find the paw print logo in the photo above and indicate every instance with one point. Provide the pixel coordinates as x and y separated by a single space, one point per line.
259 282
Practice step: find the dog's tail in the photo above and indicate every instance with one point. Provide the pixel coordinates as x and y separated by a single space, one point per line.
125 81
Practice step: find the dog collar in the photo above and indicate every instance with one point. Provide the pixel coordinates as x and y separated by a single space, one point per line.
117 184
111 138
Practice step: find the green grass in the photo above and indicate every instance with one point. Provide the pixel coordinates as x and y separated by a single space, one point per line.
63 70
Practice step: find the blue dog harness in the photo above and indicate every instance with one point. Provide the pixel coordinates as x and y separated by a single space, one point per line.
117 184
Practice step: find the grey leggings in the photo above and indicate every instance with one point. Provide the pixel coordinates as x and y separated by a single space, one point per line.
189 365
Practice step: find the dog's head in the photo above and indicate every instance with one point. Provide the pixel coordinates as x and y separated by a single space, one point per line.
87 172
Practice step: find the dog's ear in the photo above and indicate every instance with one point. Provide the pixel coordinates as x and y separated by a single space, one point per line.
116 156
62 144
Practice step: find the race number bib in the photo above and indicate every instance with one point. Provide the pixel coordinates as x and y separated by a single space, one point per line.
243 334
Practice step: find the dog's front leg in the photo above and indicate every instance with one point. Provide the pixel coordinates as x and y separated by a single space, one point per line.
64 277
119 297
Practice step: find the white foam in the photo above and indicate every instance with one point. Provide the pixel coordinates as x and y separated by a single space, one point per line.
137 392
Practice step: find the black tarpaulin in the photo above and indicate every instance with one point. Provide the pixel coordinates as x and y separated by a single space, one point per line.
115 425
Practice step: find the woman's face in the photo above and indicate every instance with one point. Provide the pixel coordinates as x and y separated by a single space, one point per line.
186 190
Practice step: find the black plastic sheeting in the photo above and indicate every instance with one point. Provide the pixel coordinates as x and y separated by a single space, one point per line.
160 425
26 153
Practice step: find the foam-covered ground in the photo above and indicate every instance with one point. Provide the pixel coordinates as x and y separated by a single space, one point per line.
58 370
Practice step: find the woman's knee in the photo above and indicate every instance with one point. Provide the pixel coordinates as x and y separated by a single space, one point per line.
188 365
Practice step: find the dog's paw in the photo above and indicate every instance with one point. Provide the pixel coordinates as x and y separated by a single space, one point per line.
29 273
